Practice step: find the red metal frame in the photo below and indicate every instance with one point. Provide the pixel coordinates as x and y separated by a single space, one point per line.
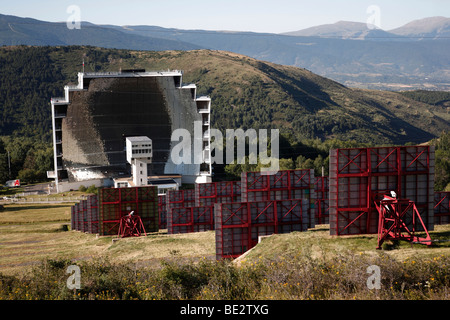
76 217
392 224
180 198
84 216
228 191
190 219
285 184
206 194
73 215
282 180
115 203
93 213
131 226
239 225
442 207
162 211
360 176
232 229
321 203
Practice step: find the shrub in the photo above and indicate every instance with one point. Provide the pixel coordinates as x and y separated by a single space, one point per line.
92 189
342 276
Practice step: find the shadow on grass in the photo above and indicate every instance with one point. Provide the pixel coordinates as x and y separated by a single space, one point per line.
320 228
21 207
440 239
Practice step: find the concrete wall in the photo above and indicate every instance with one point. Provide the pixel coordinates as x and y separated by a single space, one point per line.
100 117
68 186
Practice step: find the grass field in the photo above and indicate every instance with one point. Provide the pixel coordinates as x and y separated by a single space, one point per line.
36 248
31 233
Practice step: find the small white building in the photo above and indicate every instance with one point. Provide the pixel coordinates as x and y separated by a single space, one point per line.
139 155
92 120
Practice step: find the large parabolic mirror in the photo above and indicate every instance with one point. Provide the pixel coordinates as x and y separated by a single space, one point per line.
92 123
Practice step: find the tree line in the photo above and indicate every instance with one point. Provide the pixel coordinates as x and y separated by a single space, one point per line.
25 158
30 76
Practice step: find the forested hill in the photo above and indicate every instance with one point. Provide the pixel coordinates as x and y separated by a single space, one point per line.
313 113
245 93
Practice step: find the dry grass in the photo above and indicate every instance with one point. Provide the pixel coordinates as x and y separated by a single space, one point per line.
319 243
32 233
35 252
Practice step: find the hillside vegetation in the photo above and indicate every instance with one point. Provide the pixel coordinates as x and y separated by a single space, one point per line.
414 56
36 251
258 94
246 93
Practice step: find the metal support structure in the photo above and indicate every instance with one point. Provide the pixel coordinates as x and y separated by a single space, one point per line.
162 211
131 226
321 202
392 221
239 225
206 194
115 203
190 219
283 185
442 207
180 198
361 176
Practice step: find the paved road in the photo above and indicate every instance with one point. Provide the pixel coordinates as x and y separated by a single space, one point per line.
42 188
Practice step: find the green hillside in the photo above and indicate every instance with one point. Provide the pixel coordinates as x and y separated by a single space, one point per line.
301 104
416 57
27 31
258 94
246 93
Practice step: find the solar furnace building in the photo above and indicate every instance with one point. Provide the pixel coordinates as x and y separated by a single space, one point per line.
93 120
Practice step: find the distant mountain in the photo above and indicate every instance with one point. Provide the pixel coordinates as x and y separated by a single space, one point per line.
392 65
384 60
428 28
345 30
17 31
421 29
246 93
346 52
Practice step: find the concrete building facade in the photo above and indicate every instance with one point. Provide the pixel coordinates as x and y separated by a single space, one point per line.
92 121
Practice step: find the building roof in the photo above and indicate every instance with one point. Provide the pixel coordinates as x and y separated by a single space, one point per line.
165 181
128 73
139 138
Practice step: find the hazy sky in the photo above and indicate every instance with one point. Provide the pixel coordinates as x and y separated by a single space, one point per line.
236 15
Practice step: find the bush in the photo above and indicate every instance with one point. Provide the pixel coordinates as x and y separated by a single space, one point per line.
92 189
343 276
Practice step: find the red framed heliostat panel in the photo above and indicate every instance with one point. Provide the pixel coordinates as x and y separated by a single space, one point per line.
321 202
239 225
442 207
360 176
282 185
114 203
190 219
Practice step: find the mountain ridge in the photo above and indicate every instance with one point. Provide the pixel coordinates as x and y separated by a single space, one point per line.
259 94
395 63
28 31
372 61
431 27
345 30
